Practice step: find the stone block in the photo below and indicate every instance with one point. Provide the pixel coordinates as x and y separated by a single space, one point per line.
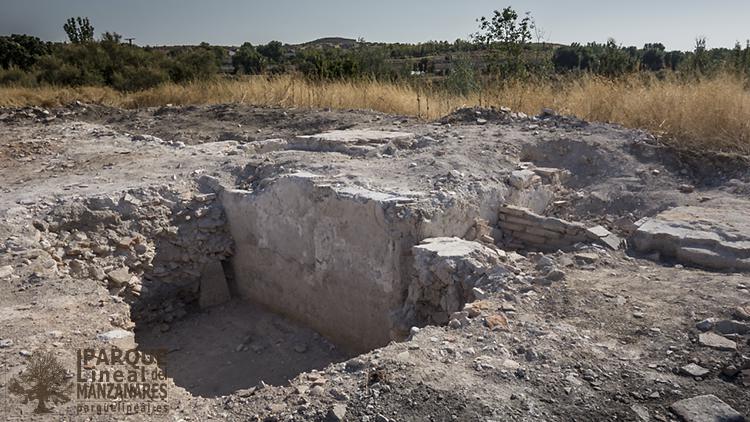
213 285
512 227
530 238
539 231
527 220
514 210
556 224
522 179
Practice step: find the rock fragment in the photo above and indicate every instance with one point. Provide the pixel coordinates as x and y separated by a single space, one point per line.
522 179
728 326
114 335
586 258
119 277
708 408
337 413
6 271
716 238
705 325
716 341
496 322
555 275
694 370
742 313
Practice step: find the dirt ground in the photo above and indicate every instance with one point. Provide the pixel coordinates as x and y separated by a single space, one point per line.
607 342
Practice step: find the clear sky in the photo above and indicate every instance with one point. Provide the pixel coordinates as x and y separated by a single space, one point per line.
675 23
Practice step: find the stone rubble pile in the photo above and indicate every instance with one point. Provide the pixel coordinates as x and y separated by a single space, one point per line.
144 245
448 270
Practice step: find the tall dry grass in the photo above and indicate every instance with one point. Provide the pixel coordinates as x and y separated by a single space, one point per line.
709 114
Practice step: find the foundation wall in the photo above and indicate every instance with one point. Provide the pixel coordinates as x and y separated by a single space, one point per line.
331 259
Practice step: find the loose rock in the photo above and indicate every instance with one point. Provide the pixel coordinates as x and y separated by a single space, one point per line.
6 271
706 408
716 341
694 370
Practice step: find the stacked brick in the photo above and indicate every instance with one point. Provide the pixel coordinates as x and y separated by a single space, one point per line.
522 229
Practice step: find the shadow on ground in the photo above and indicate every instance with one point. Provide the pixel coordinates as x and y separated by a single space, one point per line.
235 346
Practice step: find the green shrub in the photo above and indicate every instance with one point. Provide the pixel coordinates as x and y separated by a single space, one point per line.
16 76
461 79
192 65
135 78
56 71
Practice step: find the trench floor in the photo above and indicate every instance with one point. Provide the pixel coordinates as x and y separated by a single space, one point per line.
234 346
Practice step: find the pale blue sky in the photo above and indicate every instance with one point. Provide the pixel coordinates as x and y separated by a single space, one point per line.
676 23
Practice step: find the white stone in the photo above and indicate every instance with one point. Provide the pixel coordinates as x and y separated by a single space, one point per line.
6 271
522 179
114 335
694 370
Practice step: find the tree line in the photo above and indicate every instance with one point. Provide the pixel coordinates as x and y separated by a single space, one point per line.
506 45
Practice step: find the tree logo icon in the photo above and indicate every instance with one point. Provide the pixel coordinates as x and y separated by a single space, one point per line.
43 380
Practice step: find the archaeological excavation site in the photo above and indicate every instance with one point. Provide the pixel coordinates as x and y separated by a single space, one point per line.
319 265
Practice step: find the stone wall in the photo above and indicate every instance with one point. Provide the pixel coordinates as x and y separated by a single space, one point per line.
520 228
335 259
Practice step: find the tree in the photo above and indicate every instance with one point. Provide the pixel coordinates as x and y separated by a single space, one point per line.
79 30
505 30
247 60
674 58
700 57
567 58
615 60
653 57
111 38
193 64
43 380
273 51
21 51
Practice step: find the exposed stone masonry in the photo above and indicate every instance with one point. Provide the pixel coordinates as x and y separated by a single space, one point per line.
521 228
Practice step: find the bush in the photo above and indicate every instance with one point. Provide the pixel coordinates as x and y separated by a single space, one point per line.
461 79
135 78
247 60
566 58
57 71
21 51
17 77
193 65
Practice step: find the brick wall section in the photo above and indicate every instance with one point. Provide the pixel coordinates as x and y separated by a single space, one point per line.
521 228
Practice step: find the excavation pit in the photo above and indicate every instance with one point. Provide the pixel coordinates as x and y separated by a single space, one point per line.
296 272
235 346
318 274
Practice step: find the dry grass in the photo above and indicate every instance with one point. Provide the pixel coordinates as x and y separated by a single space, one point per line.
712 114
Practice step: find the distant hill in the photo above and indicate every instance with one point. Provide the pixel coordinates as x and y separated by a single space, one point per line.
331 42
